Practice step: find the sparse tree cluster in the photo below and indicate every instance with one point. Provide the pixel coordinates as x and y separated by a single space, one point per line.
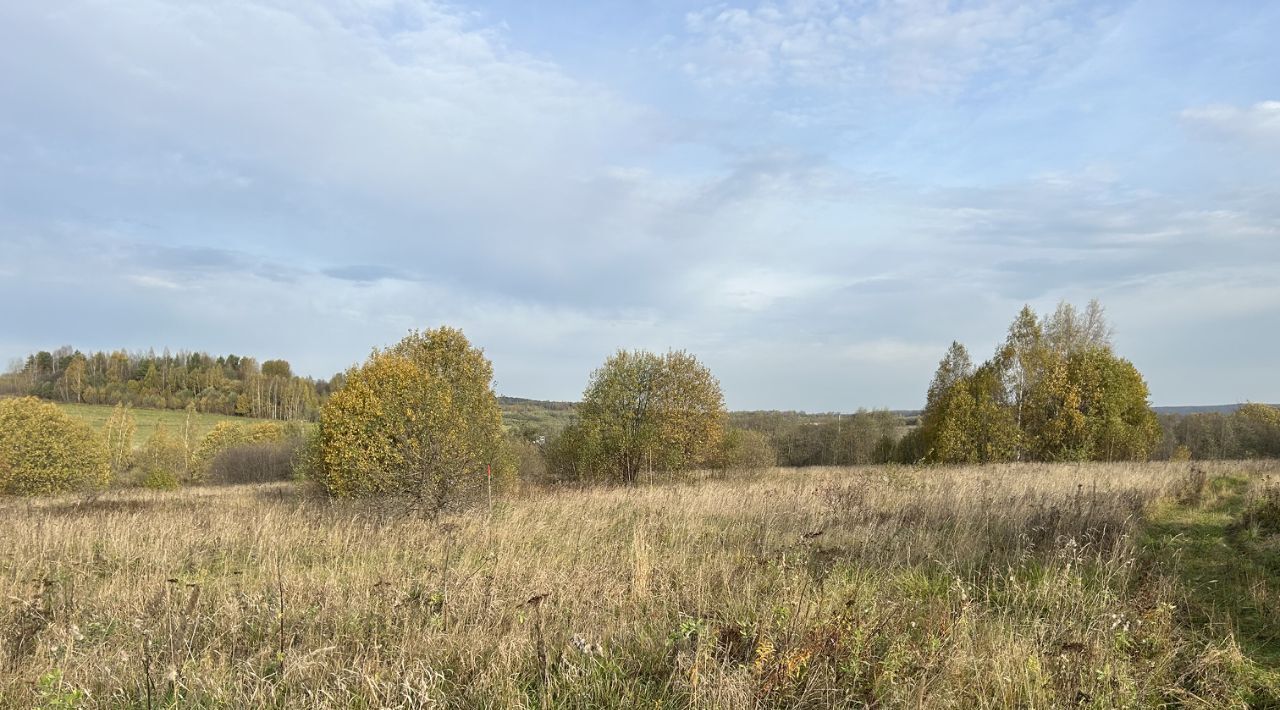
1054 391
173 457
864 437
231 436
745 449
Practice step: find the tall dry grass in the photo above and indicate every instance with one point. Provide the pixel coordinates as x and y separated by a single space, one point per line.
1009 586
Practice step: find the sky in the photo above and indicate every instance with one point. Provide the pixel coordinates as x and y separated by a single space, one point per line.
815 197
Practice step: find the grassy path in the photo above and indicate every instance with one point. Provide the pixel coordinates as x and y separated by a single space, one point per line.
1227 572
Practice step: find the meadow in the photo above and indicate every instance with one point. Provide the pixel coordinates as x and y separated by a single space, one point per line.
148 420
543 418
1102 585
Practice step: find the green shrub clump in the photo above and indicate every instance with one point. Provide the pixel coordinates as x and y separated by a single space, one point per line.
230 435
1262 512
745 449
162 461
43 450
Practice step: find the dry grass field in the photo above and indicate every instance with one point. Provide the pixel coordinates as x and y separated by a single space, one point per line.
1033 586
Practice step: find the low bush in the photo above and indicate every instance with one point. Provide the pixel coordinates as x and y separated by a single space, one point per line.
529 462
162 461
254 462
1262 513
1189 490
746 449
43 450
229 435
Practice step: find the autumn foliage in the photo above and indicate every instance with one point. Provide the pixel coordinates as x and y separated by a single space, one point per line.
43 450
1054 391
418 420
643 412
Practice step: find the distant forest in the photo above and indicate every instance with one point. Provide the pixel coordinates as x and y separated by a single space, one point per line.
227 384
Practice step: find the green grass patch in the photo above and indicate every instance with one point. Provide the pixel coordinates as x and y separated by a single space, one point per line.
148 420
518 417
1228 572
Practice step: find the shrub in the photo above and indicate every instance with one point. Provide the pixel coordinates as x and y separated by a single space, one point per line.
529 463
43 450
260 462
572 454
1190 489
226 435
1263 510
160 480
419 421
161 460
746 449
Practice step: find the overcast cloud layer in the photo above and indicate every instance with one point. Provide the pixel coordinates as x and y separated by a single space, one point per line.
815 197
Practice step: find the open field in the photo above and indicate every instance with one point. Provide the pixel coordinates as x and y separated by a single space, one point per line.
518 415
1103 586
535 416
95 415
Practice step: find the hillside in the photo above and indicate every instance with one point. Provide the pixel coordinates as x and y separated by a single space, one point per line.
532 418
1183 410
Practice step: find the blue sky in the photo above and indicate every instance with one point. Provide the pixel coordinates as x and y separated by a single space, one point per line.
815 197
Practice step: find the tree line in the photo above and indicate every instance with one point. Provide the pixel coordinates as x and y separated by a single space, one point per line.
800 439
1251 431
226 384
420 420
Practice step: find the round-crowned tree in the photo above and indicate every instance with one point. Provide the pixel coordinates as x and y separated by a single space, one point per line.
418 420
43 450
642 411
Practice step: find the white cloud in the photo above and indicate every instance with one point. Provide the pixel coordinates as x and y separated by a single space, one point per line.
317 178
758 289
891 352
1258 124
407 106
911 46
148 281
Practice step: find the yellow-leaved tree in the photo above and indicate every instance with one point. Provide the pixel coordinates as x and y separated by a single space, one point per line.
418 420
43 450
1054 391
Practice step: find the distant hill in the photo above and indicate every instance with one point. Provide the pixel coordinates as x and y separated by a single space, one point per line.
538 403
1201 409
533 418
549 417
